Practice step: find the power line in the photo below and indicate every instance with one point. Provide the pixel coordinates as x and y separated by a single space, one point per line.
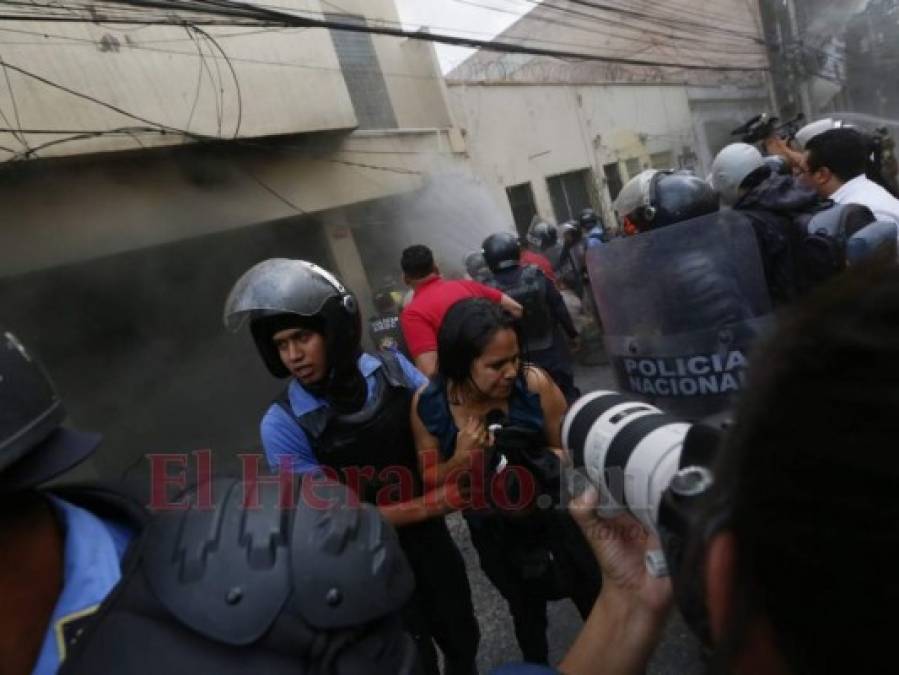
272 191
656 18
245 11
233 75
596 23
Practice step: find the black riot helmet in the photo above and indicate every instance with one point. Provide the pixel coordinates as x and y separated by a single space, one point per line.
34 447
588 219
543 235
280 293
502 251
656 199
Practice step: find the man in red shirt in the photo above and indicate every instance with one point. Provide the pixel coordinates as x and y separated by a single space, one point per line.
432 298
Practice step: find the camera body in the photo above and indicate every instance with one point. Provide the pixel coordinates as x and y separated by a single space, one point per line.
660 470
762 127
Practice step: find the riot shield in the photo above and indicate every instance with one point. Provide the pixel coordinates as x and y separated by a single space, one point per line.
681 307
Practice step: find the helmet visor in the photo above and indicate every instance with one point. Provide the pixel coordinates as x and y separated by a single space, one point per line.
282 286
635 194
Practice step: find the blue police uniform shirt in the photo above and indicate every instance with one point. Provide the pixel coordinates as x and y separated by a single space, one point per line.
283 437
92 556
594 237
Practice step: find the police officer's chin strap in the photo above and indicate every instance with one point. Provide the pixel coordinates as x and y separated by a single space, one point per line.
344 388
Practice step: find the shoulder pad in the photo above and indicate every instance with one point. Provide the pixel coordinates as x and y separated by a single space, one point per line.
347 565
312 423
229 568
219 568
393 370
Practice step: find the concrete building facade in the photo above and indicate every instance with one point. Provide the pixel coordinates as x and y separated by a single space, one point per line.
586 127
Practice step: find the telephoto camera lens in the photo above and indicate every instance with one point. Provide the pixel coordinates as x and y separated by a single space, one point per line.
629 450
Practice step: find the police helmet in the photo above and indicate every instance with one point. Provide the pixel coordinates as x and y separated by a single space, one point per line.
502 251
813 129
656 199
543 235
476 266
570 229
34 446
278 294
588 219
736 168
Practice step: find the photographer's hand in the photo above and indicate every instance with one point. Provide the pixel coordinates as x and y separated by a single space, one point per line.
621 632
473 435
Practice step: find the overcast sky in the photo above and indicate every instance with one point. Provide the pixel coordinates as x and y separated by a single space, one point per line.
456 16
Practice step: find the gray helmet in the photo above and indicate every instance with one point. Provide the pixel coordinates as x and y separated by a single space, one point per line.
809 131
731 169
279 293
476 266
654 199
34 447
570 228
502 251
543 235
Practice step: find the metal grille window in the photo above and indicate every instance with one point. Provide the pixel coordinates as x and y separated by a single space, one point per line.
662 160
570 194
521 199
613 179
633 167
363 76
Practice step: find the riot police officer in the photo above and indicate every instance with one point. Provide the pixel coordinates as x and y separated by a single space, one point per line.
688 285
655 199
347 412
592 227
571 265
384 329
100 585
777 206
543 237
545 315
475 267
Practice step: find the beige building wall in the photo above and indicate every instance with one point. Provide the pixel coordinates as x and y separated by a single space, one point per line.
283 82
81 208
410 67
99 202
526 133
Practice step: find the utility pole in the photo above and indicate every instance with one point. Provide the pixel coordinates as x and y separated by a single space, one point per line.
769 76
805 98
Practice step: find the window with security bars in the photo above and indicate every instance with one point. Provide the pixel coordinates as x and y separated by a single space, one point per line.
521 199
570 193
613 179
662 160
633 167
362 74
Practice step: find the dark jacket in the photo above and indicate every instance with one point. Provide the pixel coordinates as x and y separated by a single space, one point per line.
779 208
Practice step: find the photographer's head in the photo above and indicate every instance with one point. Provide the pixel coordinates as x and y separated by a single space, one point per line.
834 158
802 578
478 348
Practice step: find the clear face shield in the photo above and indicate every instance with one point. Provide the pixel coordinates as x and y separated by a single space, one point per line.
283 286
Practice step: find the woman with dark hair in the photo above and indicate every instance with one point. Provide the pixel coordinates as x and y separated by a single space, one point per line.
531 554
